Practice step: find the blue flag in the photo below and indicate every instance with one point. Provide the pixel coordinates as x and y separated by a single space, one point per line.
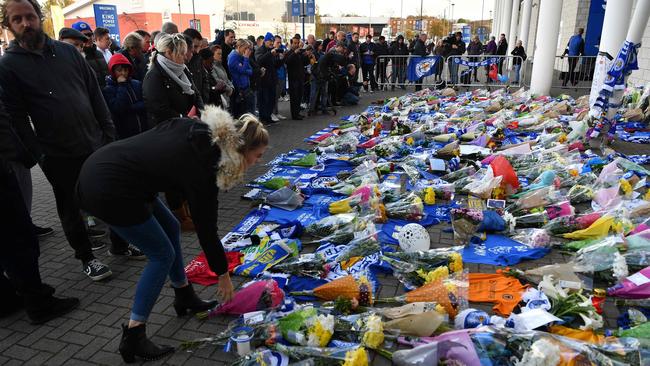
420 67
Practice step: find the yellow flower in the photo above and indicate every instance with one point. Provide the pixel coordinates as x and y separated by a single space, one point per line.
451 287
374 335
358 357
318 335
410 141
429 196
440 273
647 195
626 187
441 309
456 263
562 139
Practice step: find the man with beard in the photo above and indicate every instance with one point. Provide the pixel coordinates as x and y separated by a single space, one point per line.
92 55
50 84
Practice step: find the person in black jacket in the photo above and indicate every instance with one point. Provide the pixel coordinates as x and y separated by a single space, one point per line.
169 92
194 64
368 56
132 49
381 51
517 61
49 85
354 56
296 59
455 48
20 279
420 49
502 50
119 184
226 40
268 59
92 55
400 52
329 66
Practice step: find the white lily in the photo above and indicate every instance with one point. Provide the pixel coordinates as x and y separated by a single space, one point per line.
551 290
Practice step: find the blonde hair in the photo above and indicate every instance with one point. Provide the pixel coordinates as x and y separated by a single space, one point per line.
252 131
170 42
133 40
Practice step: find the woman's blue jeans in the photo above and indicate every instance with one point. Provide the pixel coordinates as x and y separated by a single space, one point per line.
159 238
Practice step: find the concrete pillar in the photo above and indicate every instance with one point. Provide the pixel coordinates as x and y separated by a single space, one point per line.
494 16
514 20
611 40
526 9
548 28
505 22
497 18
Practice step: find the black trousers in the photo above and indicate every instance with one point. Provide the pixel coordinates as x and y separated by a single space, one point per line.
573 63
19 244
295 96
380 72
62 173
369 76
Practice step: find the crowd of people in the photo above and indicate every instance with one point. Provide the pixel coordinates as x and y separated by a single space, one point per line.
112 127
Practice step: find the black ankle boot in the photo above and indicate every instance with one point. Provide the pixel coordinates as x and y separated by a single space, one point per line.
186 299
135 343
41 306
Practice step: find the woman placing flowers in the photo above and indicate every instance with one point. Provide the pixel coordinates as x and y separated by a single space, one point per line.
119 184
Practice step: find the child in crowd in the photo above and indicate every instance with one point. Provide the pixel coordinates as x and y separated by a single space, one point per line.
123 96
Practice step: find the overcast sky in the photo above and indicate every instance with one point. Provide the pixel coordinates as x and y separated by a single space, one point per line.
462 8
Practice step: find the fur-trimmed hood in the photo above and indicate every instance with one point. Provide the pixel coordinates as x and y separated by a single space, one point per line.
225 135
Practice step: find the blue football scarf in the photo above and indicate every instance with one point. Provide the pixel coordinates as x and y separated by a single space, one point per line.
243 229
290 173
420 67
313 209
288 157
500 250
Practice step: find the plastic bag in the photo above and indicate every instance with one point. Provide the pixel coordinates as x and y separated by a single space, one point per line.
501 168
483 188
599 229
534 238
285 198
465 223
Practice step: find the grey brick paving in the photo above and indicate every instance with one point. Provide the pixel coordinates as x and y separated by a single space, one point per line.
91 334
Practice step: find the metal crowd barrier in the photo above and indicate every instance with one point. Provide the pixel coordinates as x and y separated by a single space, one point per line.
573 72
396 72
474 71
463 70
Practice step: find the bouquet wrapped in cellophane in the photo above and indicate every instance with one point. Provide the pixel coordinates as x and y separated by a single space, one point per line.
417 268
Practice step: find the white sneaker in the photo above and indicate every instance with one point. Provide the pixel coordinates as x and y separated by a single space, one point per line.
274 118
280 116
303 105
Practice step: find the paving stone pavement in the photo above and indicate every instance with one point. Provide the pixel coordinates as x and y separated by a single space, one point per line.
90 335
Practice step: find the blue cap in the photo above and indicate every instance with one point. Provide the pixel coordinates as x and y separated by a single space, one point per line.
269 37
81 26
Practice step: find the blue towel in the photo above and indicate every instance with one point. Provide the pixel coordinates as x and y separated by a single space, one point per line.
500 250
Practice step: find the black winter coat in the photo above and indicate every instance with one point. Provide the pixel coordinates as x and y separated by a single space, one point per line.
266 59
502 48
56 91
296 62
164 99
98 63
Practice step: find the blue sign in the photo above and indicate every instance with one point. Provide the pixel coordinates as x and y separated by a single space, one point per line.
297 8
467 33
311 8
418 25
594 27
482 34
106 17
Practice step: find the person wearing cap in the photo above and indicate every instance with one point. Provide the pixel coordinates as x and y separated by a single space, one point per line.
73 37
268 59
47 84
296 59
92 55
